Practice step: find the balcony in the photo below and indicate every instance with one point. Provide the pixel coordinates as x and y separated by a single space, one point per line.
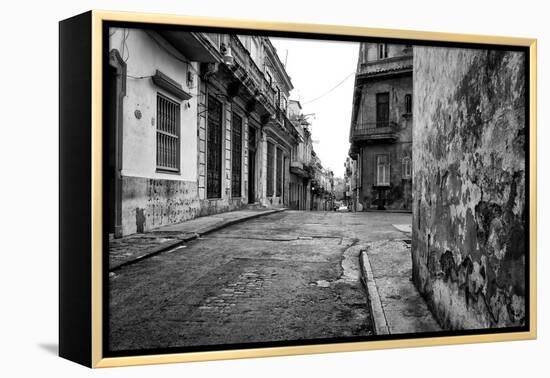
250 73
297 168
399 64
375 132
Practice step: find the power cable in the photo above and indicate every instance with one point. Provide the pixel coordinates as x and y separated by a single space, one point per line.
330 90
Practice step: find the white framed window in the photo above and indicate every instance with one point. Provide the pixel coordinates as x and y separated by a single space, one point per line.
382 170
407 168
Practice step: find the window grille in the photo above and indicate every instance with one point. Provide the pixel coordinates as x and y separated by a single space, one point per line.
236 155
251 138
214 149
270 172
279 172
168 134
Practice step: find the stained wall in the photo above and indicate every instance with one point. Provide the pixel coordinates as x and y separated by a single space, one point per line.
469 140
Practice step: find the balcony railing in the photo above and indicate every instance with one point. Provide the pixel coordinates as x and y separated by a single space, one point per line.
394 64
375 131
251 71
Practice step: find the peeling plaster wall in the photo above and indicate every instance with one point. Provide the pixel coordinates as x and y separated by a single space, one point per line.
149 203
469 213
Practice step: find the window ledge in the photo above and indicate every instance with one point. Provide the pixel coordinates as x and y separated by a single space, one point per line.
163 81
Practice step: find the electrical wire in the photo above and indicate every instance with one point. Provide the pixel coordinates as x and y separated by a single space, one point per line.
125 35
330 90
187 62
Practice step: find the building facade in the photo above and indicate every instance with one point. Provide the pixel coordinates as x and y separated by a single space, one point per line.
351 180
300 164
381 128
197 125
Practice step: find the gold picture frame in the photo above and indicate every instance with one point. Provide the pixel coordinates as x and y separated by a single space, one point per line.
95 20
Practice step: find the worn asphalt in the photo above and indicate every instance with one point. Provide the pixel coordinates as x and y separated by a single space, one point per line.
288 276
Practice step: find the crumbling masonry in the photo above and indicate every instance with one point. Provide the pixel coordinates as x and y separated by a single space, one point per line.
469 140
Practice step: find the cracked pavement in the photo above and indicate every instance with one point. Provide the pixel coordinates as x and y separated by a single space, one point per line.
289 276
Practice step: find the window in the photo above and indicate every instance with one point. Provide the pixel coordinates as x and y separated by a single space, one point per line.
270 172
279 172
168 134
382 170
406 167
236 155
408 103
382 109
255 51
269 77
382 50
214 149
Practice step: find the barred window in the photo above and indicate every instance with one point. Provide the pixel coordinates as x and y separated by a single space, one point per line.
168 134
279 172
270 172
236 155
214 149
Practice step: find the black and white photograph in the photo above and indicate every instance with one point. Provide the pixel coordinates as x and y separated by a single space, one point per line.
278 189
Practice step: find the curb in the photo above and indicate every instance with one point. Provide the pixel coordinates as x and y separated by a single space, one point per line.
170 245
235 221
375 304
392 211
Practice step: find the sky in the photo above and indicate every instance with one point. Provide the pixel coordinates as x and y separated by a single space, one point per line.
315 68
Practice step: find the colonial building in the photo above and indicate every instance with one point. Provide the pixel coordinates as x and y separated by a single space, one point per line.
381 128
350 178
197 124
322 183
301 171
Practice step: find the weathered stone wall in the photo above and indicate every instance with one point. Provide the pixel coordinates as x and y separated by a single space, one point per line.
469 183
149 203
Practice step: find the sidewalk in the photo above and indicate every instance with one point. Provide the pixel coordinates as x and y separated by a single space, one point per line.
396 305
132 248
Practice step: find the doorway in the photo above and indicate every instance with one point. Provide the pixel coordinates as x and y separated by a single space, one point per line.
251 164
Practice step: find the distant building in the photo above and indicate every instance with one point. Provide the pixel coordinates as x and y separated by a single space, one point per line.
339 189
381 128
300 163
197 125
350 178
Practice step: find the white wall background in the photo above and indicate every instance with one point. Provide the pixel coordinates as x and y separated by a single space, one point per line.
28 151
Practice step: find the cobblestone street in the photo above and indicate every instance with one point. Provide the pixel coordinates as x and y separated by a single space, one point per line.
287 276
